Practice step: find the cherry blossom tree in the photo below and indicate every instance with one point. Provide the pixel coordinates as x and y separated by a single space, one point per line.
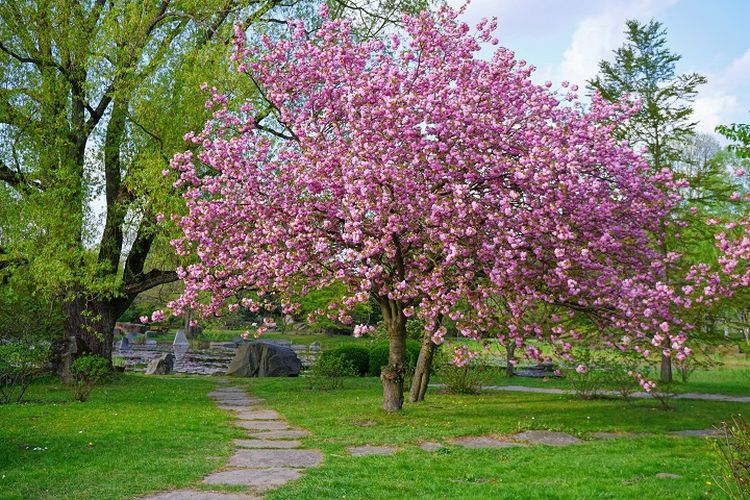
440 184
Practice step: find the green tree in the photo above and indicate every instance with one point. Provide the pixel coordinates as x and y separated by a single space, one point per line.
644 69
95 97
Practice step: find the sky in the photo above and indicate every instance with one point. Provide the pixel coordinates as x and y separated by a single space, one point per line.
566 40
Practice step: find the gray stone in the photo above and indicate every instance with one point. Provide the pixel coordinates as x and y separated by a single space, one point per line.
267 443
263 425
150 342
264 359
150 334
290 434
698 433
163 365
199 495
430 447
362 451
668 475
257 415
258 479
276 458
315 346
180 339
123 344
483 442
549 438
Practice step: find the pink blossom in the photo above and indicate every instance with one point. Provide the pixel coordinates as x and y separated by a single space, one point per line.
581 369
143 319
157 316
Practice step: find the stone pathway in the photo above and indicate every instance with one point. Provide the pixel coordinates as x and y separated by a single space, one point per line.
642 395
269 458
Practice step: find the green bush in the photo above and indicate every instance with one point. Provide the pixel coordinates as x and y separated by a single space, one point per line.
733 448
358 356
329 372
379 356
87 371
20 362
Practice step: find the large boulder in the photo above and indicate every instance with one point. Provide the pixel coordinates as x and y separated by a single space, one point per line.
264 359
163 365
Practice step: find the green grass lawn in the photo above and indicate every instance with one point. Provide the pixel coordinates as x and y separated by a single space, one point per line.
135 435
142 434
621 468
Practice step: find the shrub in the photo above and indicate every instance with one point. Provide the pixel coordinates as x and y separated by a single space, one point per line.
358 356
466 379
329 372
379 356
20 362
87 371
733 447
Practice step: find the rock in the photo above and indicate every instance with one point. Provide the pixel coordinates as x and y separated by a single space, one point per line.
267 443
151 334
430 447
163 365
262 458
259 480
483 442
698 433
363 451
199 495
263 425
150 342
315 346
549 438
123 344
264 359
290 434
668 475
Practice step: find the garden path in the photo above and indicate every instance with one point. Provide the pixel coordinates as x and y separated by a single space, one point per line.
270 457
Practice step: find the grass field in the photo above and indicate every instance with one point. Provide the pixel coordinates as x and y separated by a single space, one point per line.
141 434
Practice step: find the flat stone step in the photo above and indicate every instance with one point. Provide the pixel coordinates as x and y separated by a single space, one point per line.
258 479
199 495
275 458
267 443
258 415
363 451
549 438
290 434
483 442
262 425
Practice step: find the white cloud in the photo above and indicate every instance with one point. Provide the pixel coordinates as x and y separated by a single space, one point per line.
595 37
718 101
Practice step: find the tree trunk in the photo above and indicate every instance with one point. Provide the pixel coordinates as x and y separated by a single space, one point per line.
422 371
666 369
392 375
510 349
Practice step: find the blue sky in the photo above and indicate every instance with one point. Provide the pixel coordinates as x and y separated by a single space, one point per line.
566 39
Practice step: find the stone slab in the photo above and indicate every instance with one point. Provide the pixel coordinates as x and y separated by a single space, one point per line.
668 475
430 446
199 495
290 434
548 438
362 451
276 458
258 479
258 415
483 442
267 443
698 433
262 425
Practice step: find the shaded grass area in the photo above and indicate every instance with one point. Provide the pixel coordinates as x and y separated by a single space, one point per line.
135 435
603 469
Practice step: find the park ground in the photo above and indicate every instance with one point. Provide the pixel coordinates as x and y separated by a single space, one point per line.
141 434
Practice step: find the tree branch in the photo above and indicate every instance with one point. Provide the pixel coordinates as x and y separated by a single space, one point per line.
149 280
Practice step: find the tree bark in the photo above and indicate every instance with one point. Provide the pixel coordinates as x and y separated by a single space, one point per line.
421 378
510 349
666 369
392 375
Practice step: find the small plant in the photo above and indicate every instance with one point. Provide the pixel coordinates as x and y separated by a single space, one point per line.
733 448
359 356
20 363
664 393
466 378
589 376
86 372
329 373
